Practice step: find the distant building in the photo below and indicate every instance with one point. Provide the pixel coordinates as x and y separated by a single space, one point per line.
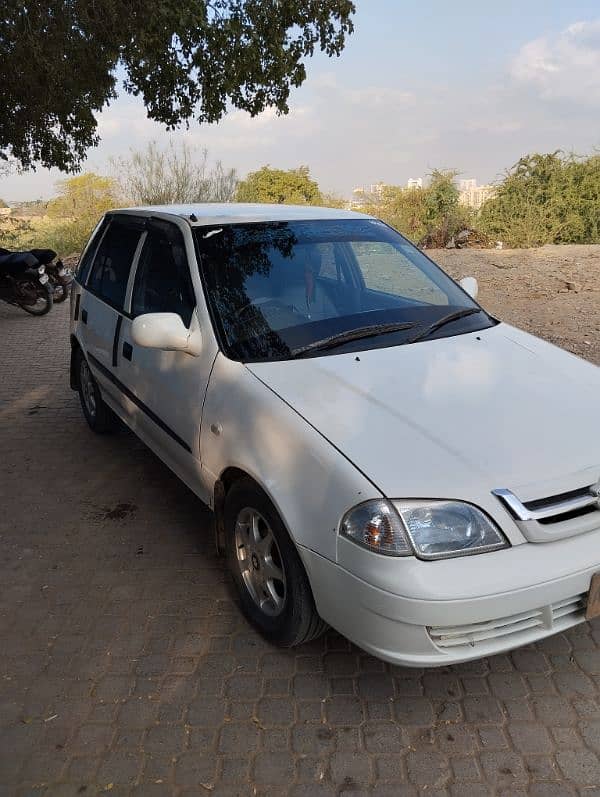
473 195
358 198
414 182
467 185
365 196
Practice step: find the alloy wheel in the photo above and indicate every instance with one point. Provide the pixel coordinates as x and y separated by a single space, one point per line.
260 562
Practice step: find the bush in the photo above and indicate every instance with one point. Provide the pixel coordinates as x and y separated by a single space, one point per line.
292 187
177 174
434 211
546 198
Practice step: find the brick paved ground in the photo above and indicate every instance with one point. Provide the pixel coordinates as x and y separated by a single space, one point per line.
127 669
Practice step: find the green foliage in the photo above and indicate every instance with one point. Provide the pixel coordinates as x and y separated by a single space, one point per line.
546 198
418 212
155 176
402 208
86 196
70 218
185 58
77 209
292 187
15 233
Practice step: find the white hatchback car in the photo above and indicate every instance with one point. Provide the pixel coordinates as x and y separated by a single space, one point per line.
381 454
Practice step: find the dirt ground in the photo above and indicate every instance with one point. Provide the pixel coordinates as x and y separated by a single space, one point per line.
553 291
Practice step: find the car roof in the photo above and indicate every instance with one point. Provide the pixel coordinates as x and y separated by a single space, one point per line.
202 214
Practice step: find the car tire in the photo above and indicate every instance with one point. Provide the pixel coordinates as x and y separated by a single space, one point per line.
269 577
98 414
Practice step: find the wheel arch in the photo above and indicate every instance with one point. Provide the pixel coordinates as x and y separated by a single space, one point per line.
229 476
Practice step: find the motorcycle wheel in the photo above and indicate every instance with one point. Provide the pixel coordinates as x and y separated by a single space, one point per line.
44 299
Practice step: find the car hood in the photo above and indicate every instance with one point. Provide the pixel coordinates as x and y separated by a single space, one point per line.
454 416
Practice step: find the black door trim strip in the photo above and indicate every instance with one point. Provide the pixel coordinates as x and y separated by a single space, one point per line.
115 351
132 397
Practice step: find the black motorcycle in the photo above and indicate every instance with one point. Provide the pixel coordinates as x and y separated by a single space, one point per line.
60 277
24 282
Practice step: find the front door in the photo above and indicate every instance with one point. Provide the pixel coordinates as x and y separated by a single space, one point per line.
169 386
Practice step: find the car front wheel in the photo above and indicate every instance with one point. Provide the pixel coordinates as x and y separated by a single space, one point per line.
269 577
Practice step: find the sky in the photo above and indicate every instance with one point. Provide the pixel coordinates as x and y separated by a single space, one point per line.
467 85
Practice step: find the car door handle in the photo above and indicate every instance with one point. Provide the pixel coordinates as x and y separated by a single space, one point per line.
84 316
127 350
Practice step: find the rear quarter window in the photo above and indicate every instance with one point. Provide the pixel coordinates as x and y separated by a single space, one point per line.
85 261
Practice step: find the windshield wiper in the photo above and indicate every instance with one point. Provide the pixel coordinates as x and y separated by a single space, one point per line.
370 331
445 319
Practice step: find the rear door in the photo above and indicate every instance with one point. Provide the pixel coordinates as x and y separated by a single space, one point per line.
102 301
167 387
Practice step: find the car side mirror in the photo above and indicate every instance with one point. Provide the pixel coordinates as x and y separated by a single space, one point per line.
470 285
166 331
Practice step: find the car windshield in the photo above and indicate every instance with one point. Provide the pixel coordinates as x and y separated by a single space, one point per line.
280 290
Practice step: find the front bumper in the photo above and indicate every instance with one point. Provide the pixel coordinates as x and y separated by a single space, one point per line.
463 620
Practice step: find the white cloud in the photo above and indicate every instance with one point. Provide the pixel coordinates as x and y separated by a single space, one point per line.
379 97
565 66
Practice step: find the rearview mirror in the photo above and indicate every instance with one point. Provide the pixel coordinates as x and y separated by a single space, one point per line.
166 331
470 285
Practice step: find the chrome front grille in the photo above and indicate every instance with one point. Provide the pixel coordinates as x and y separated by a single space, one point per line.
556 516
554 508
513 628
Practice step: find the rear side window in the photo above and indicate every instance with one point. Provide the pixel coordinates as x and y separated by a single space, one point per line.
162 281
110 272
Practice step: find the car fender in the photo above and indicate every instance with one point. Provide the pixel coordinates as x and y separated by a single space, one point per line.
246 426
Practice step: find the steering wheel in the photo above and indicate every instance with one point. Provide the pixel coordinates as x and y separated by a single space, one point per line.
262 301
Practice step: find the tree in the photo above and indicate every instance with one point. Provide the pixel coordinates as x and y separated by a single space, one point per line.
546 198
186 58
292 187
444 215
3 203
402 208
433 212
82 196
160 177
76 210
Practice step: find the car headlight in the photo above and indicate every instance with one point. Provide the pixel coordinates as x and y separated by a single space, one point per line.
41 269
441 529
429 529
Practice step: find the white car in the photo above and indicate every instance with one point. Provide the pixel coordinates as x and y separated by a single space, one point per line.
381 454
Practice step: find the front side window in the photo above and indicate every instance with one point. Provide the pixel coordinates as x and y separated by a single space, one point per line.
162 281
286 289
110 270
